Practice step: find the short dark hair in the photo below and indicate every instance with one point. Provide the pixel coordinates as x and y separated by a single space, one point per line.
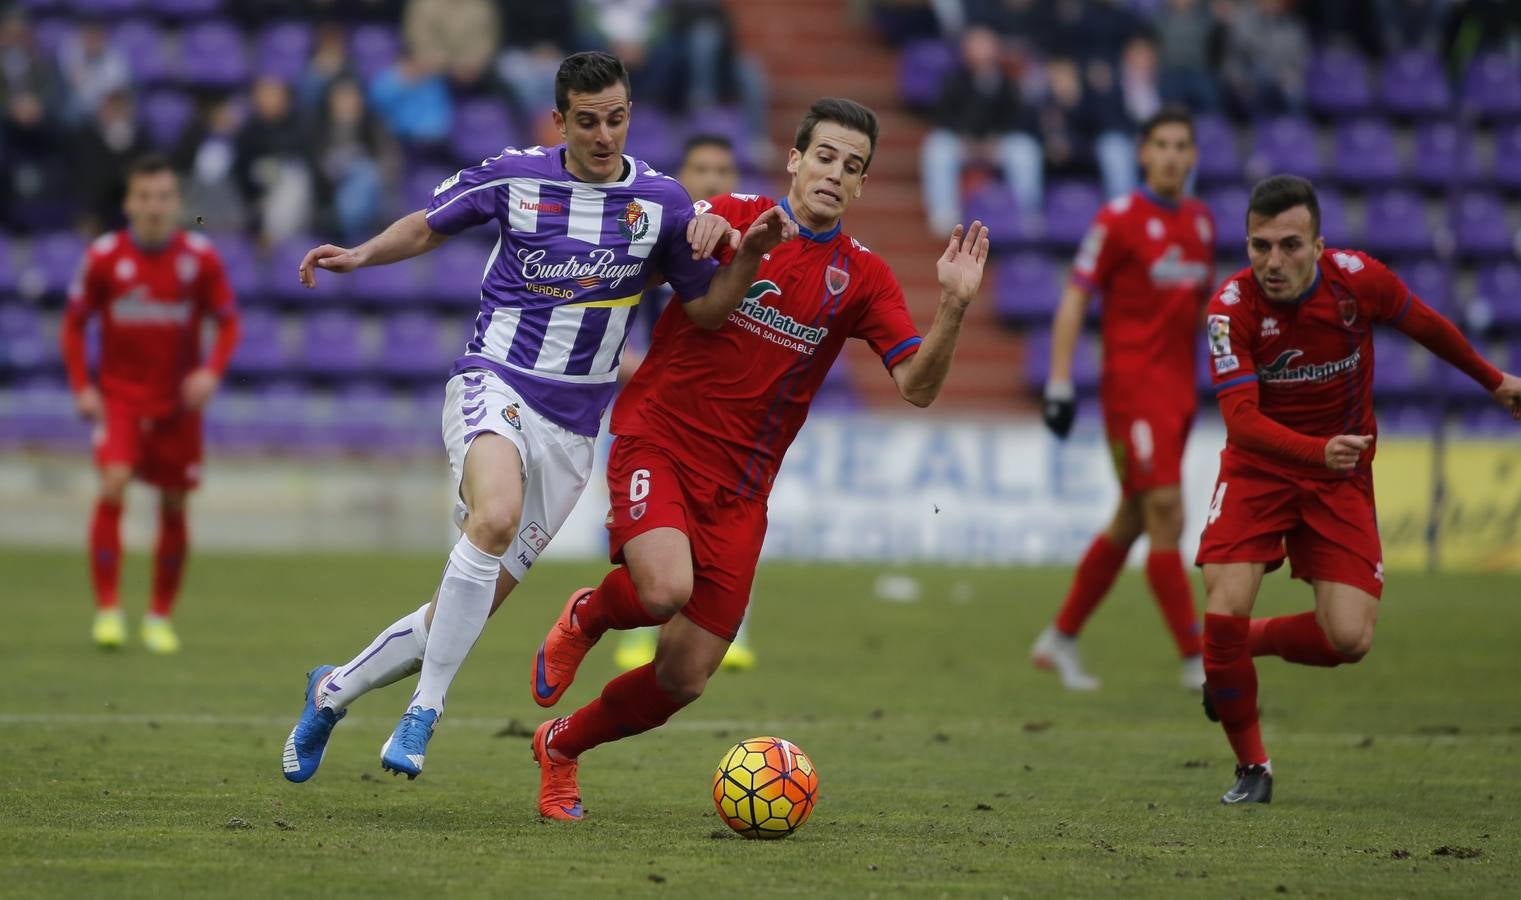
705 140
840 111
149 164
587 73
1168 115
1280 193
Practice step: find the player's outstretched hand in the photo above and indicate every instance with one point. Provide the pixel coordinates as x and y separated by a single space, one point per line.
87 403
706 231
329 257
769 230
198 387
959 268
1509 395
1344 450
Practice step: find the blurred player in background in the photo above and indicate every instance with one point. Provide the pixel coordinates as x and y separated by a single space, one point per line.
583 229
708 169
152 285
701 432
1291 346
1151 257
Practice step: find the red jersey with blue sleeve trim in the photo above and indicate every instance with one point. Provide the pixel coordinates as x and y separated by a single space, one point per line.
1310 360
744 388
1153 263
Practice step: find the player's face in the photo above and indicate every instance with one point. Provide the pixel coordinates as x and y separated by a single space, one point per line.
152 206
1167 156
829 175
595 128
708 171
1284 250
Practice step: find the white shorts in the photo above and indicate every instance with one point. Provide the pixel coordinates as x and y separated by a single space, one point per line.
557 463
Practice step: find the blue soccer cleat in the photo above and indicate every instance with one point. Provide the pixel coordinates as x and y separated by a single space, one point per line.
308 740
404 749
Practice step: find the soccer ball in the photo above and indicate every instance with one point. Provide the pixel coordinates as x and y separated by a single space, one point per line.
765 787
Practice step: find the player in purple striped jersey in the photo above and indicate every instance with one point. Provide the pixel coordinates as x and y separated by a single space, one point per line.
582 229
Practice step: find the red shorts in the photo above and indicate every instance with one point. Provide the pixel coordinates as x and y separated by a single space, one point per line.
1324 526
1147 447
164 451
650 488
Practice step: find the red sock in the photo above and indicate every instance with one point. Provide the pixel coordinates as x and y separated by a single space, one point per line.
105 553
1175 596
1231 679
1297 639
613 605
168 560
631 704
1095 575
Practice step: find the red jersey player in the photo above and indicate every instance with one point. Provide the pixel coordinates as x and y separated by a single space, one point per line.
151 284
1150 255
703 426
1291 349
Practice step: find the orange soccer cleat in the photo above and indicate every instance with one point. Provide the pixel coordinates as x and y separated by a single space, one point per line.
554 666
559 795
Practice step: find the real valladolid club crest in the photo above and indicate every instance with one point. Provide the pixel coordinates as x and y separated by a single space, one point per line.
836 280
635 222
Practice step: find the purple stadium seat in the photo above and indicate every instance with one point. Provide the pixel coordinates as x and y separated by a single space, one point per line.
1498 287
457 268
1366 153
240 260
1444 155
55 259
24 348
261 349
142 43
411 346
1393 374
1333 218
1478 224
1400 226
1070 208
1337 83
1027 288
399 284
1229 206
51 34
837 393
42 413
1087 363
1285 144
652 137
185 9
923 67
279 417
1429 280
165 114
1037 347
373 49
355 419
481 130
212 55
1492 86
108 8
1487 421
1416 85
1408 417
994 205
7 266
1219 158
331 344
1507 172
284 49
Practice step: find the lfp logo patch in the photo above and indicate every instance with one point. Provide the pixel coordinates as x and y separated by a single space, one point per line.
635 222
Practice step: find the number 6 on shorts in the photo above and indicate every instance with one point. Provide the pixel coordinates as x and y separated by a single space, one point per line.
639 485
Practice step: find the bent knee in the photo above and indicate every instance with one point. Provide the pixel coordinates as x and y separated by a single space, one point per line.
1351 644
681 684
664 594
492 527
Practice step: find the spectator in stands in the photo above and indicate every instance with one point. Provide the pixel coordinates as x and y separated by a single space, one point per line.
26 71
1140 79
698 65
980 115
208 154
1410 24
456 37
35 181
628 29
330 61
536 35
1266 52
1482 25
413 101
102 151
352 159
1187 36
272 165
92 69
1107 125
1085 131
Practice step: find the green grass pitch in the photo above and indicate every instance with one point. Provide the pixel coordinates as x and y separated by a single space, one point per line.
949 767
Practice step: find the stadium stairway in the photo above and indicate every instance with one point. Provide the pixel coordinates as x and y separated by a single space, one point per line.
814 48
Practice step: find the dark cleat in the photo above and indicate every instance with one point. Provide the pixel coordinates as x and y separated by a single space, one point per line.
1254 784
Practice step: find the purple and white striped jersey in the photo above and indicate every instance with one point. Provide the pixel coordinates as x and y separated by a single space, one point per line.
569 266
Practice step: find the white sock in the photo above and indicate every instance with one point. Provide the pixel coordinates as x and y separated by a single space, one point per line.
394 654
464 602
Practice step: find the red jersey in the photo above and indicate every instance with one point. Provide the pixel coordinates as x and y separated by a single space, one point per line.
1153 263
744 388
151 304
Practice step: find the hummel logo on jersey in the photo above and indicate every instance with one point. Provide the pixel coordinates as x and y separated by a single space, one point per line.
1279 371
1270 327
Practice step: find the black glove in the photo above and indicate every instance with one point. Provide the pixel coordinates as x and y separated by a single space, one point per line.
1059 409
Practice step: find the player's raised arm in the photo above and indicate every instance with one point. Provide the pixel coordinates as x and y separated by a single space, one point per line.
1434 332
407 237
730 282
959 271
